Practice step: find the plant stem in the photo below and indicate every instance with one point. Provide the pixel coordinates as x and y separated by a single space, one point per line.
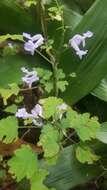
26 89
62 27
49 61
57 3
43 19
55 72
51 55
55 69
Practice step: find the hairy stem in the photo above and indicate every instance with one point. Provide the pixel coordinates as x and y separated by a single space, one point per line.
55 72
43 19
51 55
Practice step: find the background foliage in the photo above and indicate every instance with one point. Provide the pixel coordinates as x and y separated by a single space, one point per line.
70 148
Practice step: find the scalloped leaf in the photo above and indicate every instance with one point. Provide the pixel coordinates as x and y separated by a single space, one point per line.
50 106
37 180
7 93
85 154
49 141
29 3
8 130
11 36
24 163
85 127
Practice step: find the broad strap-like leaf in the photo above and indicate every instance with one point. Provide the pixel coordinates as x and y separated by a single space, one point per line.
80 6
92 68
101 90
10 70
102 134
15 19
68 172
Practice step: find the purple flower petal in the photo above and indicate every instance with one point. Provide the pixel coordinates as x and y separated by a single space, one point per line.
81 53
30 76
39 42
22 113
27 36
80 39
30 47
37 111
33 42
36 37
88 34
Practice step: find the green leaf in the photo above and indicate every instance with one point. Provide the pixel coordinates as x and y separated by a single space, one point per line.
12 37
37 180
68 172
46 2
60 74
11 109
7 93
2 175
84 4
28 3
48 86
85 127
56 32
84 154
43 73
24 163
1 158
11 13
7 51
71 17
49 139
91 69
50 106
62 85
12 65
8 130
80 6
101 90
64 124
102 134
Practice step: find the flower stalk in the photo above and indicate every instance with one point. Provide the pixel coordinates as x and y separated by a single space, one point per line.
50 53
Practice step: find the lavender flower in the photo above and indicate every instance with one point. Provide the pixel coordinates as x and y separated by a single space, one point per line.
37 111
26 35
30 76
33 42
78 40
30 47
35 114
22 113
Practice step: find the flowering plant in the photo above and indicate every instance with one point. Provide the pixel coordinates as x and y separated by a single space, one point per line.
53 57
